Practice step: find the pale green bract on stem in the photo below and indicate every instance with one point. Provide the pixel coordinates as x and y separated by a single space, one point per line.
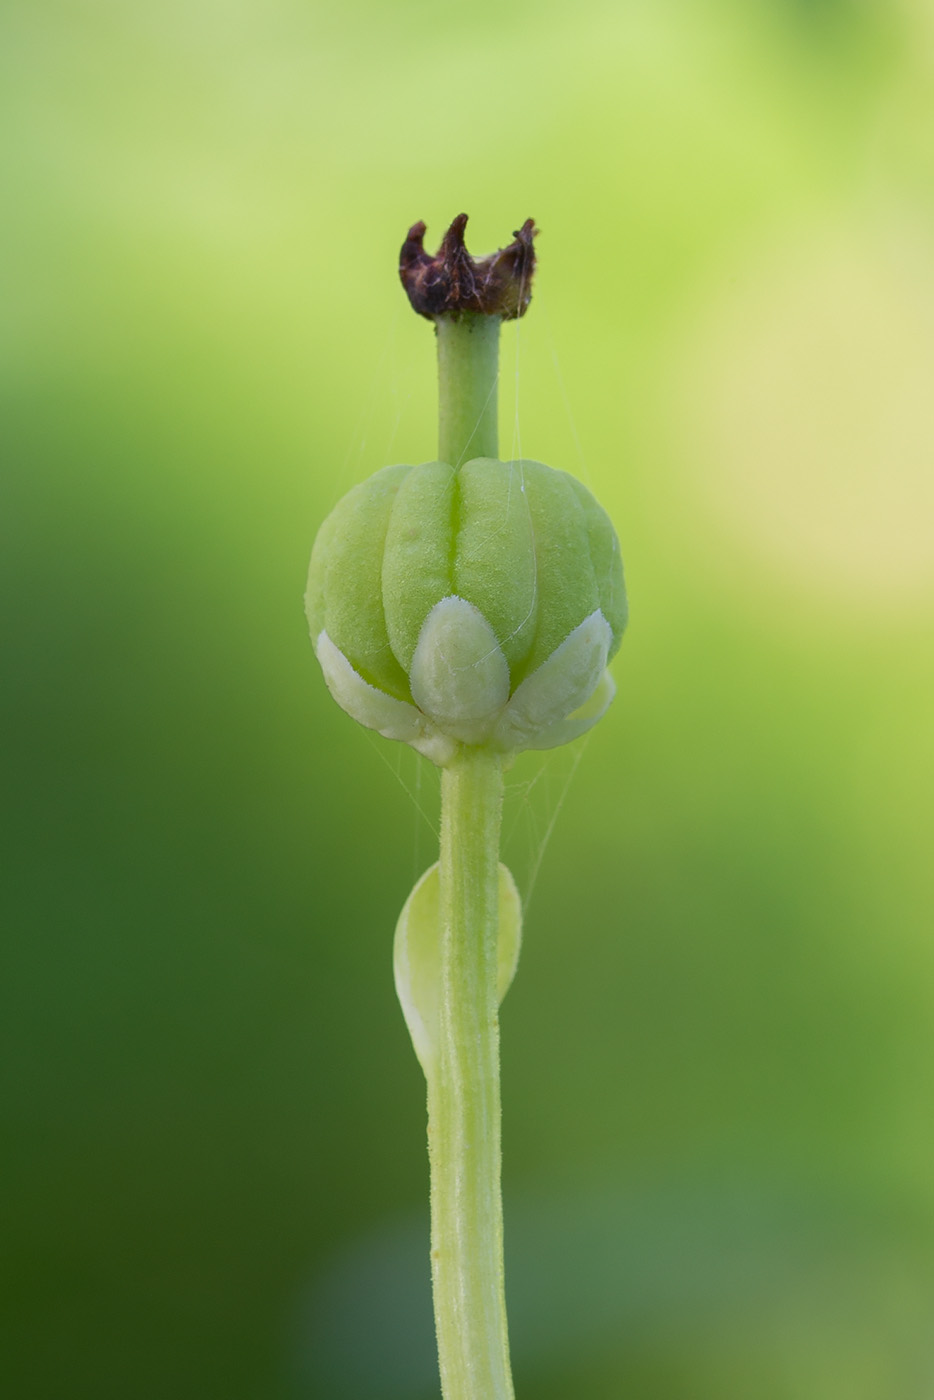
417 956
476 605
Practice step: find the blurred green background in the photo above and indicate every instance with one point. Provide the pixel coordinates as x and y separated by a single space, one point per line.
719 1051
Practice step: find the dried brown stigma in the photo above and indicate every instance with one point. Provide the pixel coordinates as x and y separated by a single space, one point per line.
452 282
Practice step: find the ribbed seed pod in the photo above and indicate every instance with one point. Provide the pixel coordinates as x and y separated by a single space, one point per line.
476 605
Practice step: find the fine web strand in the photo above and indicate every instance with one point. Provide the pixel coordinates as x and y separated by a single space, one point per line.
536 809
372 398
414 792
516 452
522 792
394 429
465 454
420 861
552 822
582 464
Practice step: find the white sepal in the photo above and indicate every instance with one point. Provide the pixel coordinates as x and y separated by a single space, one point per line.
459 675
551 697
394 719
580 720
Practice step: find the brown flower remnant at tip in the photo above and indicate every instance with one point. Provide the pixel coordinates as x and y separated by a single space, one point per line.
452 282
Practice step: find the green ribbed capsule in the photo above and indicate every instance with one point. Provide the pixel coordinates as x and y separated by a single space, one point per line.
475 605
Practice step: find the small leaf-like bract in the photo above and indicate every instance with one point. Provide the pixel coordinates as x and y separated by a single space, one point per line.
417 956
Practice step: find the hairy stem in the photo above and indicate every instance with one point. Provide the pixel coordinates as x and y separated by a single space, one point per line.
468 370
463 1091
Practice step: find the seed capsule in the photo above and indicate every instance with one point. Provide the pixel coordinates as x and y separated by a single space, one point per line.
476 605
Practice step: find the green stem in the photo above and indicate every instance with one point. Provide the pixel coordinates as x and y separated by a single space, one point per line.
468 370
463 1091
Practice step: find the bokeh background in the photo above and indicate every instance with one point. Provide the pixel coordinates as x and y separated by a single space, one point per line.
719 1051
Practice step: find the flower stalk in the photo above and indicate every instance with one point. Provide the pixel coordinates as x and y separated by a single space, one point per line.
467 607
464 1116
464 1091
